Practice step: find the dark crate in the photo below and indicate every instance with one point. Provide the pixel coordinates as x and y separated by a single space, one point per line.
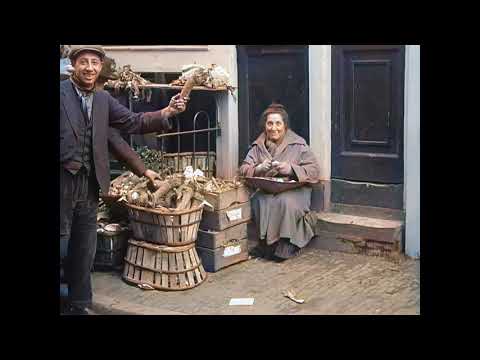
216 239
111 249
219 220
109 259
219 258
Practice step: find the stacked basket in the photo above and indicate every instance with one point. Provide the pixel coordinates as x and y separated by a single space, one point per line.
162 254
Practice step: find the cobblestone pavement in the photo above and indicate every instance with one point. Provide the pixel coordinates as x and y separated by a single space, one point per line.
330 283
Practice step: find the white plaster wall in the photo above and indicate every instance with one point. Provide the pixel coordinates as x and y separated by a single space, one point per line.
412 150
320 88
170 58
227 105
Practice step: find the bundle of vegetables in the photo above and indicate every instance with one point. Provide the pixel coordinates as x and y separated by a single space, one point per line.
172 192
124 183
128 79
212 76
218 186
64 51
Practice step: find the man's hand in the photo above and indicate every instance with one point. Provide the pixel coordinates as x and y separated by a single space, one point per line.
152 176
283 168
177 104
263 167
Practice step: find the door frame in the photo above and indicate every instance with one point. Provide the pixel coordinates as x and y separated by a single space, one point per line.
320 93
243 91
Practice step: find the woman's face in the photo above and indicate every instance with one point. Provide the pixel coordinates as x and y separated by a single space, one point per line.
275 127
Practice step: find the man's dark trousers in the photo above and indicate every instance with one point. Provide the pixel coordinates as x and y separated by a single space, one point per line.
78 232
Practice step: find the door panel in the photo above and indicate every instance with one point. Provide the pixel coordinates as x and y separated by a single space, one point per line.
367 121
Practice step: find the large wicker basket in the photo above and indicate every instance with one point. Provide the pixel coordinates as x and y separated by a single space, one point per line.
173 228
163 267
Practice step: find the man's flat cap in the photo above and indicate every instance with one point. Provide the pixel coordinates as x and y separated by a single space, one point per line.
77 49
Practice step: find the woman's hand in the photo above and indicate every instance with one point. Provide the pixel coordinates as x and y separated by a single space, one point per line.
263 167
283 168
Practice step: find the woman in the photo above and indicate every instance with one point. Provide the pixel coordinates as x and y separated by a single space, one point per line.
283 220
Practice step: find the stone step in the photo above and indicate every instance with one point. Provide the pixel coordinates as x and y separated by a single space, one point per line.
368 194
368 211
357 234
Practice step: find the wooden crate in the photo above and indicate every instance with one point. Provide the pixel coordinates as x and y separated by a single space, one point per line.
173 228
219 220
111 249
163 267
221 201
215 239
231 253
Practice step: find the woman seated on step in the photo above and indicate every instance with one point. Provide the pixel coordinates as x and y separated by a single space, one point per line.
284 221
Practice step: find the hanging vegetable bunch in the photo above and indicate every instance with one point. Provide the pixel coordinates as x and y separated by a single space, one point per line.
128 79
212 76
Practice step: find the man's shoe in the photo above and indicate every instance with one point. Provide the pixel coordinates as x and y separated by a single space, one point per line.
75 310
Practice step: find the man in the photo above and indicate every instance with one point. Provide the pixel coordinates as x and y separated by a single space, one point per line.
85 118
116 144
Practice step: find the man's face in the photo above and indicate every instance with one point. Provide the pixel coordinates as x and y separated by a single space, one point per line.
87 68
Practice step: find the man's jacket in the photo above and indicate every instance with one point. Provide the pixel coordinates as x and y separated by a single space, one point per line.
106 112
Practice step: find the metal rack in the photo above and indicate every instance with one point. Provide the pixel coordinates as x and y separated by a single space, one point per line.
211 126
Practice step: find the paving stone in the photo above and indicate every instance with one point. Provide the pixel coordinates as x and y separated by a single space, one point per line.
330 283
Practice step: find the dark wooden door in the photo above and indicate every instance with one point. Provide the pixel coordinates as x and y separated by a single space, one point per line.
367 113
266 74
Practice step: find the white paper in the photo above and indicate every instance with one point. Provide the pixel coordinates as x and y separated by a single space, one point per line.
233 215
188 173
241 301
232 250
198 173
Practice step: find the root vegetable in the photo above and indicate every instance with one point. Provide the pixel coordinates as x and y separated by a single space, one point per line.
138 197
184 203
155 186
164 188
170 199
187 88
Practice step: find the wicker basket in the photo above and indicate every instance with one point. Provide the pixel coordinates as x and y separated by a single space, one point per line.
173 228
163 267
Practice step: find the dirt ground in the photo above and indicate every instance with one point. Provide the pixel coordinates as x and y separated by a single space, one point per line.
330 283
